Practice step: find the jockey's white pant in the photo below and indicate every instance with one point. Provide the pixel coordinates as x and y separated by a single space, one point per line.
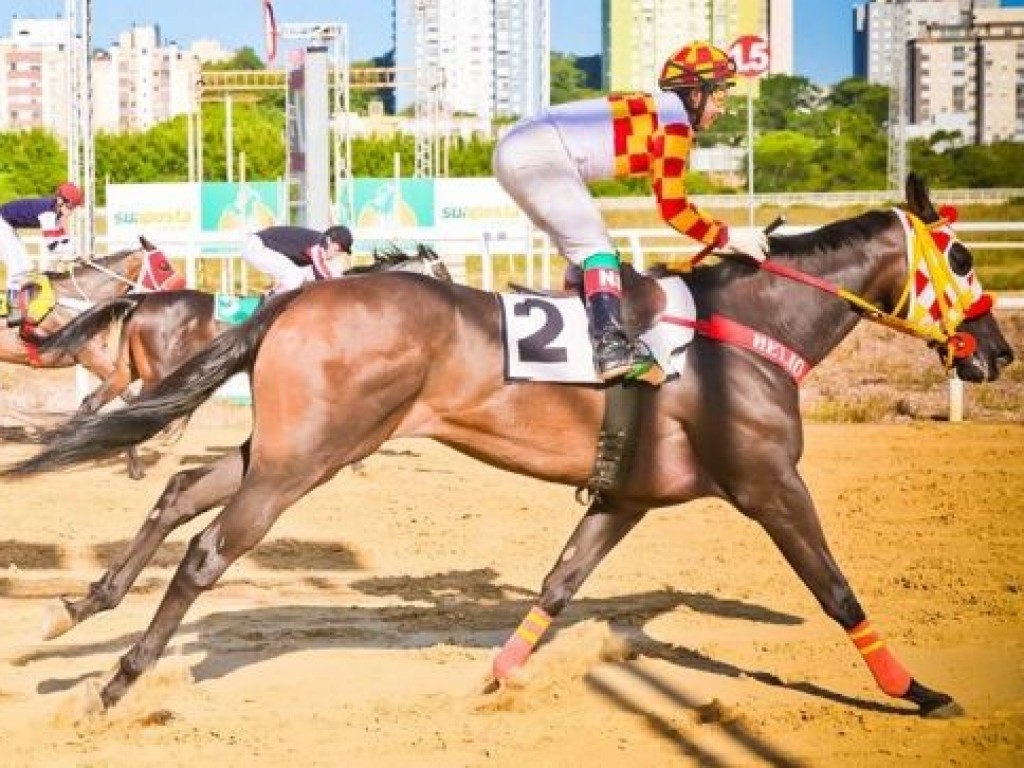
532 164
283 271
14 255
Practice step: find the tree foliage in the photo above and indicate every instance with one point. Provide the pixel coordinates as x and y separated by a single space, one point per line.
806 139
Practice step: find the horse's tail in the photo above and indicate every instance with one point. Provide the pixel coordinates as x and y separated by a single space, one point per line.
77 333
93 436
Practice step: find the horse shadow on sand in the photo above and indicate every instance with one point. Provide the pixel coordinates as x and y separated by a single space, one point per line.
464 608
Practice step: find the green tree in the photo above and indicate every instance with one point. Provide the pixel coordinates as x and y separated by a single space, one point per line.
857 93
783 162
32 163
568 80
244 58
781 97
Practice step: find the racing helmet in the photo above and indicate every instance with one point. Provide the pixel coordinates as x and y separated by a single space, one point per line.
340 235
70 193
698 65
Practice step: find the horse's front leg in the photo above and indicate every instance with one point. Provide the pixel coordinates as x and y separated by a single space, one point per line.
784 508
186 495
595 536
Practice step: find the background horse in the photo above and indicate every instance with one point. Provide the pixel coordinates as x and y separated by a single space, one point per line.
87 282
160 331
408 357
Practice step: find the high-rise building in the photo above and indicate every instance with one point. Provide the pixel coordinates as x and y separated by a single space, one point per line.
875 32
964 64
137 83
34 76
488 58
638 35
969 77
140 82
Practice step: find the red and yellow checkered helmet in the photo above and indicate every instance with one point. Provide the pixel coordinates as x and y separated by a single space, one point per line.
698 65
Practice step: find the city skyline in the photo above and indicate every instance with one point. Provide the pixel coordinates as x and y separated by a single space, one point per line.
823 31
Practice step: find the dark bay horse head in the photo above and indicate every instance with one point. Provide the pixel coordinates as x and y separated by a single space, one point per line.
947 292
903 269
393 259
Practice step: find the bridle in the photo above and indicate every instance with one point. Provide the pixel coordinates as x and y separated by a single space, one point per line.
928 274
146 281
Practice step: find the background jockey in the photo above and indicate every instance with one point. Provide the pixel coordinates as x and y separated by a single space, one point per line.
545 163
48 214
287 253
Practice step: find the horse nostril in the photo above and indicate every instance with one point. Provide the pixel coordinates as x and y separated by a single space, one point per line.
1003 359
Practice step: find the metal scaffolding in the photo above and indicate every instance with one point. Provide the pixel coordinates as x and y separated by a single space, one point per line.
334 36
81 148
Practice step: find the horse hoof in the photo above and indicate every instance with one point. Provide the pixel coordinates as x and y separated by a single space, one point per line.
933 704
57 620
490 686
945 711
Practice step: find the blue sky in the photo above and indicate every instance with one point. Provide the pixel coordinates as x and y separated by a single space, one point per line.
822 48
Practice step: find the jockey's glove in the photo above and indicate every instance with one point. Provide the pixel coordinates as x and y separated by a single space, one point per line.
747 241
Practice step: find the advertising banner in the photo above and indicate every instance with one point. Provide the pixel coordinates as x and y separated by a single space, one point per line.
474 205
241 207
158 211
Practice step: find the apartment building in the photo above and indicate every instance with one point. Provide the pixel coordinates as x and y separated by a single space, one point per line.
136 83
969 77
879 25
964 63
485 58
638 35
140 82
34 76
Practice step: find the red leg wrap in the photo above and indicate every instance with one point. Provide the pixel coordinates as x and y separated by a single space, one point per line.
520 645
886 669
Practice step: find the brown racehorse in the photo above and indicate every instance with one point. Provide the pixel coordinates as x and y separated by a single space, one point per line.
160 331
408 357
87 282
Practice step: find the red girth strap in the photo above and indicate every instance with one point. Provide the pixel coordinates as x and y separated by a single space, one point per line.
729 331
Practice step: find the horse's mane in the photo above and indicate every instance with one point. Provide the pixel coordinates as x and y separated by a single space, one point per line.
393 256
830 237
64 274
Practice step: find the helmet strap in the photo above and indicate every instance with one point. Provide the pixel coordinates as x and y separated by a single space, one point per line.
695 112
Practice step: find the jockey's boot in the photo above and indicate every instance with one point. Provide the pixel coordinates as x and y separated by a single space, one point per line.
615 354
14 315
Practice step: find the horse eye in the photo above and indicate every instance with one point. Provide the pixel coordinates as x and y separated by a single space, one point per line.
960 259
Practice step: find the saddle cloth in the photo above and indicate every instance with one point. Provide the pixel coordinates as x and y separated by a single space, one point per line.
234 309
545 338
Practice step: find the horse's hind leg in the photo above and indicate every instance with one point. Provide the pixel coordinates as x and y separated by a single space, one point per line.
785 510
595 536
239 527
187 494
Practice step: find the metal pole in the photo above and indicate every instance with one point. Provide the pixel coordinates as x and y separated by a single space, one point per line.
229 143
89 153
190 139
750 151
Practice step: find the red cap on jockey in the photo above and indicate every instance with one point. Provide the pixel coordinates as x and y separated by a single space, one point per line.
70 193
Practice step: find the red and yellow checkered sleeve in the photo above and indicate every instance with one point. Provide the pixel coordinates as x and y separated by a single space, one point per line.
669 150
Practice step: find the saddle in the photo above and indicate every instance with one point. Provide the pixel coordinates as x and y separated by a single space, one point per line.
37 298
642 302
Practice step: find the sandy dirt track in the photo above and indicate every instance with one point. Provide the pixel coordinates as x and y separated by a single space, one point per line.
358 633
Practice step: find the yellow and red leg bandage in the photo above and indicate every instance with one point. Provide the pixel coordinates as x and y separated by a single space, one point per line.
886 669
520 645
